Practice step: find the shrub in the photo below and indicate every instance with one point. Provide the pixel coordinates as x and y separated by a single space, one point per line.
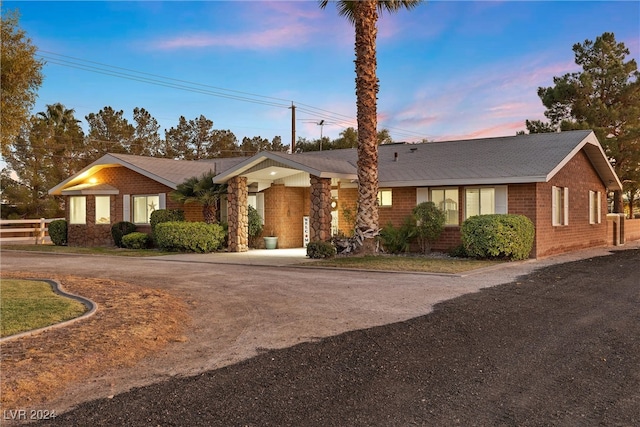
165 215
459 252
498 236
136 240
255 225
189 236
319 249
120 229
397 240
429 224
58 232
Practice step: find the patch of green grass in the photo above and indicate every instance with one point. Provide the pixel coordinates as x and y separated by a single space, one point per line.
31 304
400 263
91 251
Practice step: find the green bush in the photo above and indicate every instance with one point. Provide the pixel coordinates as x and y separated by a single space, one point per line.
459 251
498 236
189 236
58 232
319 249
397 240
165 215
120 229
255 225
136 240
429 224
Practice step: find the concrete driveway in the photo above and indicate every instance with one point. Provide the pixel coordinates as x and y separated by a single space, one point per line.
243 303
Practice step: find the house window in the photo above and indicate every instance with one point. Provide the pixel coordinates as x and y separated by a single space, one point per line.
384 198
103 210
560 205
77 210
142 208
480 201
446 199
595 209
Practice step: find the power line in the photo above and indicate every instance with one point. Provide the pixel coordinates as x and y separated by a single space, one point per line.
158 80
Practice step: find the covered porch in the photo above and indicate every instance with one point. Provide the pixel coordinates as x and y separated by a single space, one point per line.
295 196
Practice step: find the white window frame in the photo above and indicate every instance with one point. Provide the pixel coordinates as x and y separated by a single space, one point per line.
595 207
133 207
98 214
78 210
457 202
559 204
483 209
385 197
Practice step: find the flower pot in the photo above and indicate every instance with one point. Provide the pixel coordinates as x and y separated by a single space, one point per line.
270 242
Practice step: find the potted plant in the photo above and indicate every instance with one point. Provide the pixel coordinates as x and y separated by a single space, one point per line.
270 241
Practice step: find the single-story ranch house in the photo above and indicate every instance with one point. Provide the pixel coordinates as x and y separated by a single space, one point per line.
558 180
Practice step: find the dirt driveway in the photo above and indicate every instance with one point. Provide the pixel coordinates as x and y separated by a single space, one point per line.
239 311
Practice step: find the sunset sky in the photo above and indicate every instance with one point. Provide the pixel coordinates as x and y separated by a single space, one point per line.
447 70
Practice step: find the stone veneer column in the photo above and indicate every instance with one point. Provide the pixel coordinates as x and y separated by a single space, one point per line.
320 215
237 215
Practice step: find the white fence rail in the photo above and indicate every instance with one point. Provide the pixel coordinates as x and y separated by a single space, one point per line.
25 230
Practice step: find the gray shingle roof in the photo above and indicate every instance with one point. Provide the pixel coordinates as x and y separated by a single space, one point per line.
521 158
503 160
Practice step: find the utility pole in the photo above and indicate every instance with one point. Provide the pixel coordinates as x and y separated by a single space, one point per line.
321 124
293 128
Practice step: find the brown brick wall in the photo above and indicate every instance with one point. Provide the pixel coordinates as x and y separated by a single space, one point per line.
284 208
403 200
580 177
127 182
631 229
91 234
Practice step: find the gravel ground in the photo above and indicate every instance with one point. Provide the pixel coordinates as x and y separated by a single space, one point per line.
559 346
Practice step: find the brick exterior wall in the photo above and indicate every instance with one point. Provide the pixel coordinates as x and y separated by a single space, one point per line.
631 229
129 182
284 209
579 177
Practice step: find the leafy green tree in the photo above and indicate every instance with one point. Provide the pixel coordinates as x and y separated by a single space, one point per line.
605 97
21 76
109 132
429 222
47 151
364 15
203 191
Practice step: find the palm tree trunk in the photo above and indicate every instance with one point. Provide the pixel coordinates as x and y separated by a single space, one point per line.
366 16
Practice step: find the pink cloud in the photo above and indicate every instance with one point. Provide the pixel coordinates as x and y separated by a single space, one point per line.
291 35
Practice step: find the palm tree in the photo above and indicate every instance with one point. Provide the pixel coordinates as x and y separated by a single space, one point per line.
364 15
203 191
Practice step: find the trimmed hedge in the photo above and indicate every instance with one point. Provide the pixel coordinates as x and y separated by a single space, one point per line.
319 249
498 236
58 232
136 240
189 236
120 229
165 215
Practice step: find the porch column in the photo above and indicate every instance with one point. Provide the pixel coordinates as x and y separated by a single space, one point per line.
320 215
237 214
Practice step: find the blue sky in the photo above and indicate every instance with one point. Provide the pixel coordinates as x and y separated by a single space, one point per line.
447 70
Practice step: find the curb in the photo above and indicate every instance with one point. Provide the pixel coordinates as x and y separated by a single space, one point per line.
92 307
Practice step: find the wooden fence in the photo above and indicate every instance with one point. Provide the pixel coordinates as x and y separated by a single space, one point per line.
25 230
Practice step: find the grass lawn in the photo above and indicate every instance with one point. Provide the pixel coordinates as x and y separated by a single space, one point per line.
30 304
401 263
91 251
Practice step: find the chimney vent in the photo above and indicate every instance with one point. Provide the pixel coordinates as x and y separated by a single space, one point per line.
395 156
